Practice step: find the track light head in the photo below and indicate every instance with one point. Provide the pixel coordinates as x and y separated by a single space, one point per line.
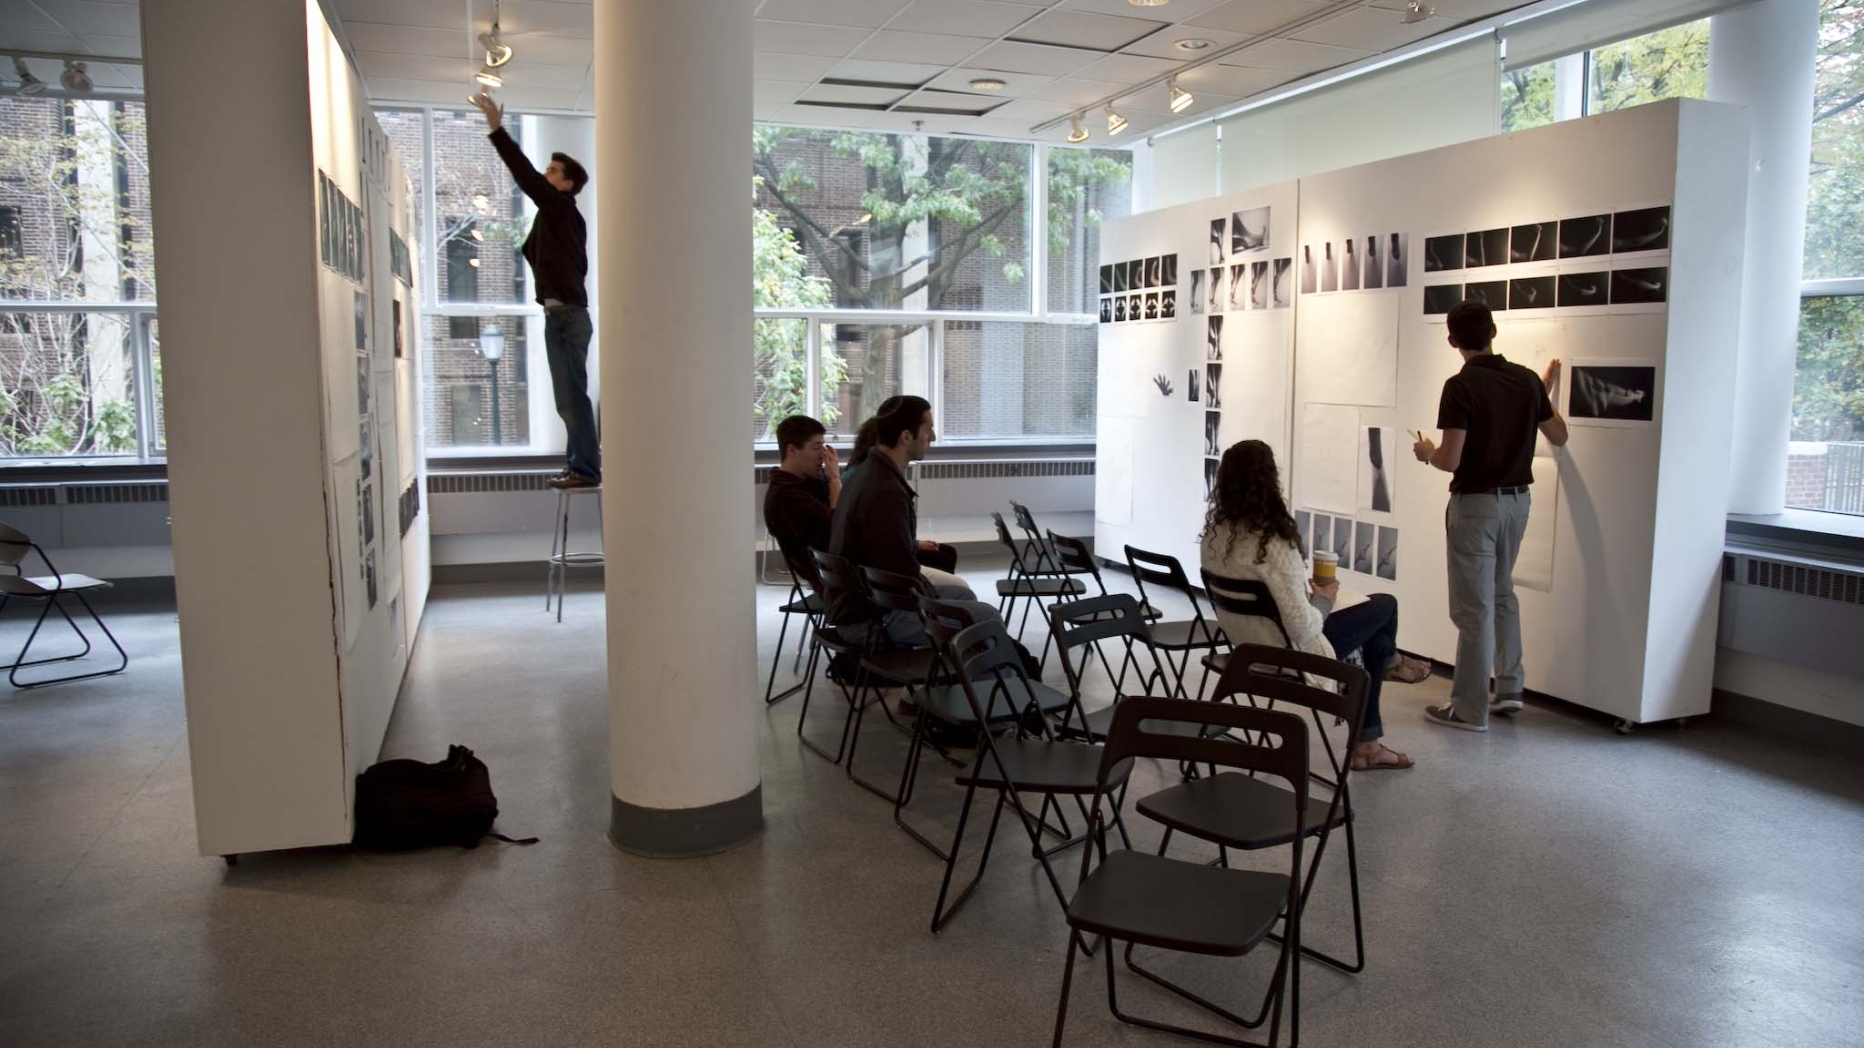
75 79
1115 122
1416 11
497 51
28 84
1076 133
1180 98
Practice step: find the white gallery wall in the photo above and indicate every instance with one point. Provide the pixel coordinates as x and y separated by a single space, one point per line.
1619 579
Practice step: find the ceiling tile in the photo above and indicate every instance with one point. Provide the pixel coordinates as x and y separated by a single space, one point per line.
1293 56
893 46
867 14
1370 29
1460 9
838 94
408 40
540 98
1175 11
19 16
1163 44
767 111
536 16
777 92
949 104
539 74
1066 28
789 38
964 17
86 19
41 39
116 46
1127 69
434 14
806 68
1012 57
995 126
1230 80
1016 85
911 74
1258 16
830 116
1076 93
430 92
551 50
414 67
1031 110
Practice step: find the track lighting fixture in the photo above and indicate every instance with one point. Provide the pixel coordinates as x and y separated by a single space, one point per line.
1180 98
497 51
75 79
489 77
1077 133
1416 11
28 84
1115 122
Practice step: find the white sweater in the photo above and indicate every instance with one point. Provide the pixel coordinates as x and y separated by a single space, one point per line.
1285 573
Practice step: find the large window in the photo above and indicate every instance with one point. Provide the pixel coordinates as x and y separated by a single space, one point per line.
1669 63
1085 188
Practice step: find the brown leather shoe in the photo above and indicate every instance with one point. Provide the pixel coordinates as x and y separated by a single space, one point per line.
566 481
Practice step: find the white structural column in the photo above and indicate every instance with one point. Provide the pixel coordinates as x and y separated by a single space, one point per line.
1761 57
673 138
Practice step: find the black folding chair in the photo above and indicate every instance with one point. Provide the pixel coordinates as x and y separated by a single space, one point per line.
1183 636
918 670
1237 811
1190 907
1074 555
15 546
1089 623
1249 598
1045 556
835 575
806 602
1028 580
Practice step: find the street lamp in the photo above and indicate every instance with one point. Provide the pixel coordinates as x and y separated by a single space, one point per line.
492 346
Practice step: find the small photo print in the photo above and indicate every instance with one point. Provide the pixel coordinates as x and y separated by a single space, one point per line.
1239 286
1539 242
1168 271
1211 419
1213 384
368 576
1443 253
366 464
1198 276
1647 229
1213 338
1120 280
1106 279
1135 307
362 324
1323 533
368 514
1397 257
1119 309
1281 286
1375 484
1106 311
1624 393
1365 547
1329 268
1218 231
1486 248
1585 236
1191 390
1349 266
1249 230
1374 265
1310 273
362 385
1210 478
1213 293
1259 285
1388 554
1491 293
1343 540
1154 271
1584 289
1531 293
1631 286
1168 304
1152 305
1441 298
397 305
1303 525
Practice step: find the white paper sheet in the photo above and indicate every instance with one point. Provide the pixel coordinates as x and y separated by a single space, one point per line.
1347 349
1326 473
1255 380
1113 472
1125 385
1534 567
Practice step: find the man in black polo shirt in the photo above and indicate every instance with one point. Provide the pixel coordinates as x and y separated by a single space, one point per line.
1489 413
804 489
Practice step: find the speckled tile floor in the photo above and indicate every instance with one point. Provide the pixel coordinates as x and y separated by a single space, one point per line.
1549 883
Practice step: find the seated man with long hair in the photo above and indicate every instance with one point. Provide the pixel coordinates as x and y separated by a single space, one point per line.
1249 534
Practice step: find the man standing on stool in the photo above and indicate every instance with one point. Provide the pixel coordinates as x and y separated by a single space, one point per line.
559 259
1489 413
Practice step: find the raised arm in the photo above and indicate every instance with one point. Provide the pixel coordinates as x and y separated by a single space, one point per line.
534 185
1552 424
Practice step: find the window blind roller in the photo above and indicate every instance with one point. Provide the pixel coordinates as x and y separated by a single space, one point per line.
1598 23
1184 167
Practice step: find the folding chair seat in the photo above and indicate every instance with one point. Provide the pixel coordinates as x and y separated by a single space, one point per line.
15 546
1090 623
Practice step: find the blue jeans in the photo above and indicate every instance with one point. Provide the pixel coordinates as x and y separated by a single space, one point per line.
566 344
1372 630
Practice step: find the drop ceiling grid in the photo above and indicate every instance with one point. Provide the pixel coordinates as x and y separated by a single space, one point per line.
102 29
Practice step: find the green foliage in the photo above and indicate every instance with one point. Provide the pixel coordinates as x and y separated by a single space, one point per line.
1075 176
1828 389
780 280
1527 97
1670 63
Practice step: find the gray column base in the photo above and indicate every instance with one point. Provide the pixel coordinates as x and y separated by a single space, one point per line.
684 833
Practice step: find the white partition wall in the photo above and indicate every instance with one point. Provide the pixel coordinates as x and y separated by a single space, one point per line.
1608 240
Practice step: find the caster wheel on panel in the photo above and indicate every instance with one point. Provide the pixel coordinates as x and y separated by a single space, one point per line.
1623 727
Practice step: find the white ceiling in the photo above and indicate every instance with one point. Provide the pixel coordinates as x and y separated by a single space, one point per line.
850 63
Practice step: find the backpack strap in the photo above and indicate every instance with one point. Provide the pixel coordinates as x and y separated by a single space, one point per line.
514 840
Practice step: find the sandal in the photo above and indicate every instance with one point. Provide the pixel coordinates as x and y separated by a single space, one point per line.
1381 759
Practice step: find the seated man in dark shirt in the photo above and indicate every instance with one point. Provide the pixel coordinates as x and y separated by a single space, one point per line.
804 489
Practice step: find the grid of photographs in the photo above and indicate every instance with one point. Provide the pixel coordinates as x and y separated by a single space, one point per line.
1616 261
340 239
1362 546
1375 262
1143 289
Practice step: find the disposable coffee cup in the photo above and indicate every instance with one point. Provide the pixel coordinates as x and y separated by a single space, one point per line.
1326 562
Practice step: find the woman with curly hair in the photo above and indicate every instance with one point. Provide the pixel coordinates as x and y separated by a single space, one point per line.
1249 534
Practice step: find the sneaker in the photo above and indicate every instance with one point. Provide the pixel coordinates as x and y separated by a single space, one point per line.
1446 716
1506 705
566 480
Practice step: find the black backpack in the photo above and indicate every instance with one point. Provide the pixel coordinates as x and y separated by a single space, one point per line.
402 804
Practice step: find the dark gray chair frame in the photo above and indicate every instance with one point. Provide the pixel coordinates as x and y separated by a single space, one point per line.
1246 597
835 572
1196 633
1028 583
804 599
15 547
1090 623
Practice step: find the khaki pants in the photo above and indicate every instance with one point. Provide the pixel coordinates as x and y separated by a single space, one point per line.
1484 538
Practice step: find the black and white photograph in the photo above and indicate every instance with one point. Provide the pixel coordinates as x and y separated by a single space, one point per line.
1213 385
1213 292
362 384
1310 279
1625 393
1191 391
1218 231
323 218
1163 384
1152 305
1375 475
368 514
1491 293
1239 286
1388 554
1119 309
368 576
1441 298
1329 268
1632 286
1323 533
1586 235
1121 281
1168 304
1213 338
397 310
1303 524
1397 258
1210 477
1488 247
1135 307
366 458
1168 271
1211 418
1281 285
1343 540
1154 271
1584 289
1349 266
1259 285
1197 290
1365 547
1531 292
1374 265
1106 279
1443 253
1106 311
1249 230
1647 229
1539 242
362 324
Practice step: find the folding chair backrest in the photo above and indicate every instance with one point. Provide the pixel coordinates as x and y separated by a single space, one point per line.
1135 733
986 650
804 569
1247 597
838 575
1027 521
1079 622
893 591
1265 672
1161 570
1072 553
1009 543
14 546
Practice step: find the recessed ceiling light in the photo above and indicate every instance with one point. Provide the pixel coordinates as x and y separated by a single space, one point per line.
1077 133
1416 11
988 83
1193 44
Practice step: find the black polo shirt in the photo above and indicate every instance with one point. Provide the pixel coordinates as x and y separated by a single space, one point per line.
1499 405
797 514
